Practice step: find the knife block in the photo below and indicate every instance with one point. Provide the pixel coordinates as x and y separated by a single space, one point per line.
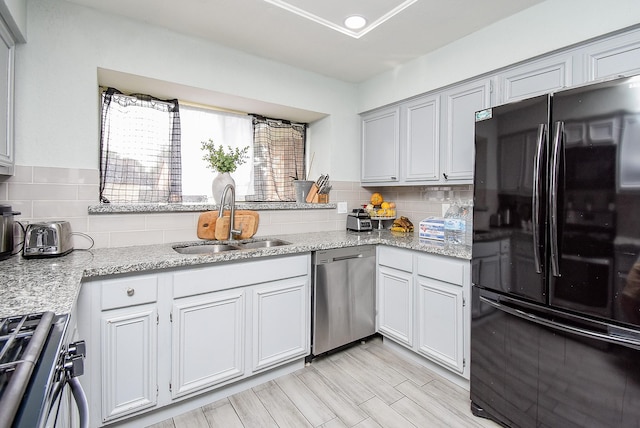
321 198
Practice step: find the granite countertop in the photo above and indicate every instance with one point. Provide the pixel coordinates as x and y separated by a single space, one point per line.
36 285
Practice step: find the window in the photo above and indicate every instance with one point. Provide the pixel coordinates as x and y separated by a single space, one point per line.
227 129
151 152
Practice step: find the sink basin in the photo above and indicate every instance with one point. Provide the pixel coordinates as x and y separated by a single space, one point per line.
220 248
206 249
268 243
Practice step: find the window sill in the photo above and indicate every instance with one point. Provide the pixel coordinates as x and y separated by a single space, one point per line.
197 207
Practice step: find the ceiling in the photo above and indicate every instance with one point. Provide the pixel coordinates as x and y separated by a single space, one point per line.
308 34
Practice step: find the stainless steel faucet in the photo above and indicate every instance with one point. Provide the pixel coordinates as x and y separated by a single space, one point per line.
232 208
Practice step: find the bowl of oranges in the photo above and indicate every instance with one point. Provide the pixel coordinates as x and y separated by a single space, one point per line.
379 209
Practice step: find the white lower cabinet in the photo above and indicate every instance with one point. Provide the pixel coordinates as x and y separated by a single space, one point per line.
441 322
280 322
207 340
422 305
157 339
395 304
129 360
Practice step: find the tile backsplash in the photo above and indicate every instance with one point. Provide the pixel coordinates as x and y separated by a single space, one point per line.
44 193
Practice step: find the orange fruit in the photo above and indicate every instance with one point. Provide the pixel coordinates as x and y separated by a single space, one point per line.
376 199
385 205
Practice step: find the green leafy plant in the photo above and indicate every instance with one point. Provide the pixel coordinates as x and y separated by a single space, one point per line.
223 161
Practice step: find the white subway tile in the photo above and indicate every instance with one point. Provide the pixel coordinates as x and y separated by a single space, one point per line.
43 192
61 209
89 193
111 222
100 239
22 174
170 221
65 175
141 237
180 235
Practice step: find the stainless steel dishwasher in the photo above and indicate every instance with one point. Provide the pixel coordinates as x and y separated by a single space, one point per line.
343 297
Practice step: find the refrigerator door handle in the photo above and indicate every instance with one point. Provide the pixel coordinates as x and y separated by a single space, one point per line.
618 339
537 188
553 197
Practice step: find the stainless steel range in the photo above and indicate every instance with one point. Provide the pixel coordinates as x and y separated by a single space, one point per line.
36 365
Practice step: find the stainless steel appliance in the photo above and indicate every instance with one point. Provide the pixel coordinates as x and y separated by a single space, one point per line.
343 297
359 220
37 364
6 231
555 332
50 239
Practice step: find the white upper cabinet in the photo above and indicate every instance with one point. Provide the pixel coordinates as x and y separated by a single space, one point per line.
613 57
7 47
421 133
458 148
381 145
536 78
434 142
429 139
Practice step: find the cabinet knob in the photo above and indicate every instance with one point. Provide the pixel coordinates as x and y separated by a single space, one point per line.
130 292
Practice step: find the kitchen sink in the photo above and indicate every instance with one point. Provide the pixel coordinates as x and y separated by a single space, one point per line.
268 243
220 248
206 249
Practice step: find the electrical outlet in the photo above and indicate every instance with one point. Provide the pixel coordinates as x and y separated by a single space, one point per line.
342 207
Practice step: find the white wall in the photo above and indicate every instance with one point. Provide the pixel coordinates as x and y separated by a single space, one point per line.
543 28
57 119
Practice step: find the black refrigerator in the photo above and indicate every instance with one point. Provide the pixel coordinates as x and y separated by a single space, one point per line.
555 329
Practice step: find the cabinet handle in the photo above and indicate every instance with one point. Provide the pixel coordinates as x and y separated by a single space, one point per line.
446 177
393 178
130 292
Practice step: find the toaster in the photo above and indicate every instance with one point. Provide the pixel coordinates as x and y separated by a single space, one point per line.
359 220
48 239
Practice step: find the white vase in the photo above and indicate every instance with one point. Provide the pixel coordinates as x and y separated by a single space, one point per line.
218 184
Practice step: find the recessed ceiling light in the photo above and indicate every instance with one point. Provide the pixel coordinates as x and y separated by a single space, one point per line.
355 22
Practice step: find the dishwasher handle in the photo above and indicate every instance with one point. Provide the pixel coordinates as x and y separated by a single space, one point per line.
351 256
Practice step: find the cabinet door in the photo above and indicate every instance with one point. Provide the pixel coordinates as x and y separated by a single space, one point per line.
207 340
422 150
7 47
537 78
380 146
618 56
462 104
129 360
280 322
395 303
441 322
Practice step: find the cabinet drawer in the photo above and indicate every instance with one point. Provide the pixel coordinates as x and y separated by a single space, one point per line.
442 269
395 258
118 293
231 275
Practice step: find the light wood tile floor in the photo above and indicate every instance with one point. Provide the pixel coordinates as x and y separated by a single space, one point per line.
365 386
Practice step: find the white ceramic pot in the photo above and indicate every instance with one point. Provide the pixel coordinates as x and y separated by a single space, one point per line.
218 184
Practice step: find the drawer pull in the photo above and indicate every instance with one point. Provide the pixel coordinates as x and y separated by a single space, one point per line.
130 292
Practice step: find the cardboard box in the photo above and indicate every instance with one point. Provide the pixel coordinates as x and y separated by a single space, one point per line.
432 228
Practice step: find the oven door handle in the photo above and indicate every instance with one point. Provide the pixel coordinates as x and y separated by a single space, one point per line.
618 339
